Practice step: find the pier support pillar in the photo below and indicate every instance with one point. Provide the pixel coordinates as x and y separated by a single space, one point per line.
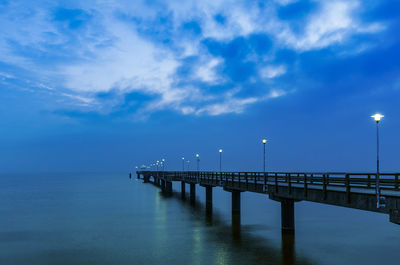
208 196
168 187
287 215
146 179
236 215
183 189
192 192
162 185
138 175
235 202
209 205
288 248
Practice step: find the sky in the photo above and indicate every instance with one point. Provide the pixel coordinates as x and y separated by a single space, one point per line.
107 85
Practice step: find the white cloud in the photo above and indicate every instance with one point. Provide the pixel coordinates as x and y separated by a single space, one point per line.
6 75
230 105
131 63
285 2
272 71
206 72
332 24
276 93
83 101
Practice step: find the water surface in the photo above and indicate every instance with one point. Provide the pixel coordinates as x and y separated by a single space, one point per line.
110 219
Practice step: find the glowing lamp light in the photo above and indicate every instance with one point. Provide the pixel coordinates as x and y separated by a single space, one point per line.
377 117
197 155
220 150
183 158
264 141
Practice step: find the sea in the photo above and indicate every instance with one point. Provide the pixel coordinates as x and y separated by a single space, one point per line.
108 218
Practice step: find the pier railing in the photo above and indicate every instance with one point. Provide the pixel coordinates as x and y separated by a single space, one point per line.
387 181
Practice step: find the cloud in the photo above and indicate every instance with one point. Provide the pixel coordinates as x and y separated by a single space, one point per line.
206 72
6 76
332 24
231 105
272 71
79 50
286 2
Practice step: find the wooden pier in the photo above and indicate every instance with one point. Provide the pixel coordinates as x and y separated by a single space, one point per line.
352 190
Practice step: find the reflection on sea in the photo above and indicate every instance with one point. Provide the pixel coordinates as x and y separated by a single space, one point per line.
239 239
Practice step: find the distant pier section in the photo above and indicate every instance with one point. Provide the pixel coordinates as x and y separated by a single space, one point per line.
352 190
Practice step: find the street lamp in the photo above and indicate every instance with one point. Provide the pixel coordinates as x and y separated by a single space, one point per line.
198 161
220 160
183 163
188 167
264 141
157 164
163 164
377 117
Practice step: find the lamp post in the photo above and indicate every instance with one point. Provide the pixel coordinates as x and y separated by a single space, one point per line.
220 160
264 141
163 164
198 161
377 117
183 163
157 163
188 165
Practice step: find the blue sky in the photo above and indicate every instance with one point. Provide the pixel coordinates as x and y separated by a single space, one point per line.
106 85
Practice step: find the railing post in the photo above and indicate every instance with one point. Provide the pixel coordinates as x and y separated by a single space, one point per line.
305 185
289 182
348 187
247 181
265 180
396 182
324 177
276 182
369 181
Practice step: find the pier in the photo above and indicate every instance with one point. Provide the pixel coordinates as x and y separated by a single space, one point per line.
352 190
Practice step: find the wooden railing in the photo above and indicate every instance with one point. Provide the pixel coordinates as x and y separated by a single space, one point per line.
388 181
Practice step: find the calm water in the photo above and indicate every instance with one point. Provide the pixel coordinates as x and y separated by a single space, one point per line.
108 219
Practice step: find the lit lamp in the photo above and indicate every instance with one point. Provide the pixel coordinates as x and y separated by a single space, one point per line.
264 141
220 160
198 161
377 117
183 163
163 163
